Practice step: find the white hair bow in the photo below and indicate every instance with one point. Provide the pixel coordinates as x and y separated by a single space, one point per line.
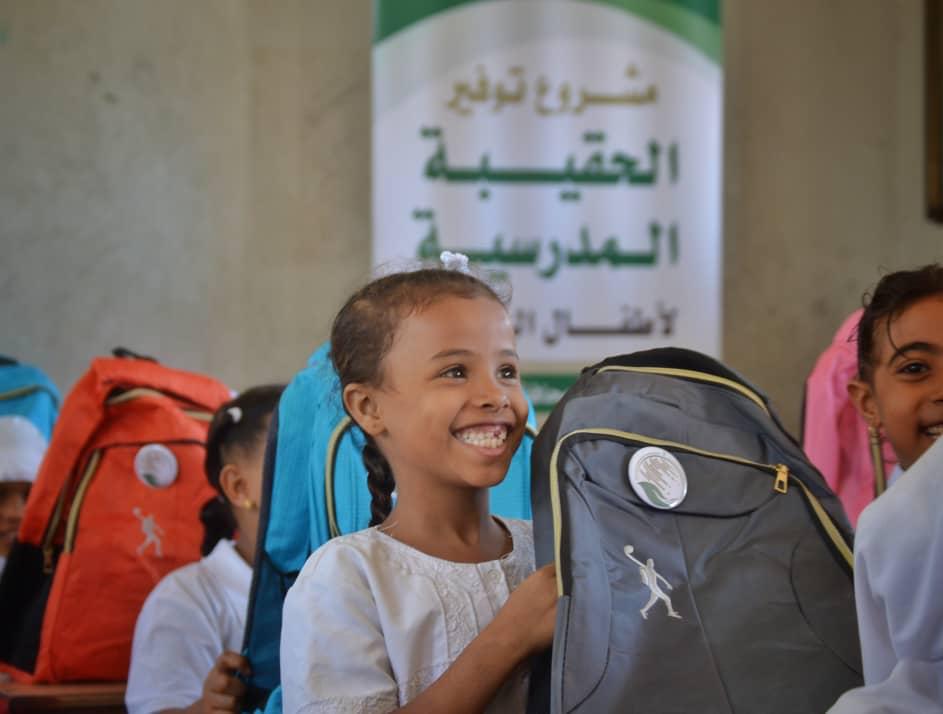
454 261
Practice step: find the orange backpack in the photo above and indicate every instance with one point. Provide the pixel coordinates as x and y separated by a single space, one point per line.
114 508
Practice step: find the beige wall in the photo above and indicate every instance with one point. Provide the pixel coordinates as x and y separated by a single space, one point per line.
191 178
824 174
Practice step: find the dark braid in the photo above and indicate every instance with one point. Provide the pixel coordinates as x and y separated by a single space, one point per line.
380 482
363 333
218 522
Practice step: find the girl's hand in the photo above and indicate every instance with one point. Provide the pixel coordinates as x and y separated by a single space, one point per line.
523 627
530 613
222 689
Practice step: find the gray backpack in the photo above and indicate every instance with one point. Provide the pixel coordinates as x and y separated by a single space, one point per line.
702 562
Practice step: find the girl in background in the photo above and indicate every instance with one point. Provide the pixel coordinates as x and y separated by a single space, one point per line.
186 641
431 608
22 447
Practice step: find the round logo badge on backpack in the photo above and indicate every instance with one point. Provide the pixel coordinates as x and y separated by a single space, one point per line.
657 478
156 465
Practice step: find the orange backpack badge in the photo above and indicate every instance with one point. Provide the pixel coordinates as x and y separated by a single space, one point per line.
115 507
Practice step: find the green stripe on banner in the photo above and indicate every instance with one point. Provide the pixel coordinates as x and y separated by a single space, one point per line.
391 16
545 390
697 21
708 9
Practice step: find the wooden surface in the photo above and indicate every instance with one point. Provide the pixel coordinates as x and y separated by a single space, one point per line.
103 697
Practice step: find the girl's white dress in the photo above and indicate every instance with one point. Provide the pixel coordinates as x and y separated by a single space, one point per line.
371 622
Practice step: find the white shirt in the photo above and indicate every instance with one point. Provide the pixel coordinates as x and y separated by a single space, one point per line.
899 595
371 622
192 616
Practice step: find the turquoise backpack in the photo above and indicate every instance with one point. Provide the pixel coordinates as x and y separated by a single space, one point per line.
315 488
28 393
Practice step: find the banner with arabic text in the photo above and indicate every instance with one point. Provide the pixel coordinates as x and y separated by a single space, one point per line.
573 145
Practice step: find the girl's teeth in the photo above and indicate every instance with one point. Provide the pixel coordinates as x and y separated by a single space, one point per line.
935 430
488 438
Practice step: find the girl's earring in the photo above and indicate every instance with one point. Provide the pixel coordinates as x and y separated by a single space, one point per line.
877 458
249 504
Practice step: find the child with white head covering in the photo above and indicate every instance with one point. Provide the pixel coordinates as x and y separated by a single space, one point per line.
22 446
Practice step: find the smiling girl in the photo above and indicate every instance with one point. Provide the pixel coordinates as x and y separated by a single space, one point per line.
899 390
431 609
899 543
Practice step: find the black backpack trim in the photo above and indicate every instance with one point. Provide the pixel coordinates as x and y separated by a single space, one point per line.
255 696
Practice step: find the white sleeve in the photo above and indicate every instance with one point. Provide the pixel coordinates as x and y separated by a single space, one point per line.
877 649
898 562
175 646
913 687
333 654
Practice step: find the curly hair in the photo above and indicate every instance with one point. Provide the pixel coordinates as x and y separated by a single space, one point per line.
893 294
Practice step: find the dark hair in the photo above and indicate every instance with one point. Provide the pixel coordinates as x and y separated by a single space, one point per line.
363 333
893 294
238 425
9 488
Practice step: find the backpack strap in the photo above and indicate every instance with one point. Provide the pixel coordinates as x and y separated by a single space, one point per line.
266 579
697 376
128 395
676 358
330 462
828 526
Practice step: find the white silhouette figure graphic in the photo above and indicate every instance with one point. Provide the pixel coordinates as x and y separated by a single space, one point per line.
152 533
650 578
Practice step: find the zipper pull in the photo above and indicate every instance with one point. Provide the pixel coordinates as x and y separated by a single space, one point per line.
47 560
781 485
